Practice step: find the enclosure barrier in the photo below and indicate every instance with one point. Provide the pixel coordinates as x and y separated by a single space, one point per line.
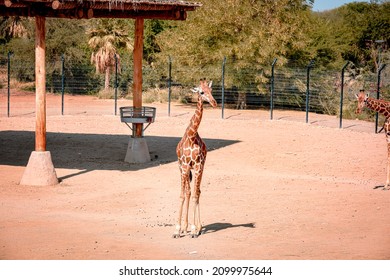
223 87
285 87
8 83
309 67
342 93
272 88
169 81
62 83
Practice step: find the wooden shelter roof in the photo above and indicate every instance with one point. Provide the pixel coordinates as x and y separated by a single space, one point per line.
40 169
86 9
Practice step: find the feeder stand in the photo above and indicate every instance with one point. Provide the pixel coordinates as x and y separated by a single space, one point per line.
137 150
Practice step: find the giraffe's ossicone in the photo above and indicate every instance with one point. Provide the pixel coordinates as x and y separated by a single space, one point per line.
191 153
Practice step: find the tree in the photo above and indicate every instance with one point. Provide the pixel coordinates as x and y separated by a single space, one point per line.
12 27
151 45
67 40
249 33
356 28
105 37
63 37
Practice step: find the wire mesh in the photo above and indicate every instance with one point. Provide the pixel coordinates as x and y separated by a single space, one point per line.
244 87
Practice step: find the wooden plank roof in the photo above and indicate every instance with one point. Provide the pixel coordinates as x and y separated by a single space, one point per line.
86 9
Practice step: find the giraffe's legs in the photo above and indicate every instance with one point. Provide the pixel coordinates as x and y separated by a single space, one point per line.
186 206
386 187
196 225
185 193
386 126
176 233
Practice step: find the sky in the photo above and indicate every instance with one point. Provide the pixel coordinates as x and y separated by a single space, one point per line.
322 5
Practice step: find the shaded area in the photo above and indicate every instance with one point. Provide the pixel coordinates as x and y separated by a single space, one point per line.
91 151
222 226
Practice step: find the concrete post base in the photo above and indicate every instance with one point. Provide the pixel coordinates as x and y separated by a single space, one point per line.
137 151
39 170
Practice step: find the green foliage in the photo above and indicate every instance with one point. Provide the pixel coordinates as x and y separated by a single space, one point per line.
151 44
63 38
22 50
249 33
73 52
354 29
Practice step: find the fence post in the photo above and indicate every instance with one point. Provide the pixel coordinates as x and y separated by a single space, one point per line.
381 67
309 66
223 86
8 82
116 84
62 83
342 94
272 87
169 84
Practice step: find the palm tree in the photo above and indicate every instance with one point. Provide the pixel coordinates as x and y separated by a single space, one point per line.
104 41
12 27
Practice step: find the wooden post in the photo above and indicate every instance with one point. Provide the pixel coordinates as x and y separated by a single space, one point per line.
40 84
40 169
137 78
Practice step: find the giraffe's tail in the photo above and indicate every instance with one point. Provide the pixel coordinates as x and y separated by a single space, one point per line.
190 176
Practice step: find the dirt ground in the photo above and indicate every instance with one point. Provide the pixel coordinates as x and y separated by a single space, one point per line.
279 189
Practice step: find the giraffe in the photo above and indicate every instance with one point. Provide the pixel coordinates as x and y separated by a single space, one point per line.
191 153
382 107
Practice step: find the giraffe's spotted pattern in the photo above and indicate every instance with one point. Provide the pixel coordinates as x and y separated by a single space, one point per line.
382 107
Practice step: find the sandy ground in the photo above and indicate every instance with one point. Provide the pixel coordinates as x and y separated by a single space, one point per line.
279 189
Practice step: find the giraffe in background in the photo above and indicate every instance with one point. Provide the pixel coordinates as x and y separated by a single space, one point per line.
191 153
382 107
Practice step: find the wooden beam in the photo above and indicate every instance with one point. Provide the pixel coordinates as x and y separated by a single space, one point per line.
161 15
137 76
63 5
87 13
40 85
137 6
7 3
10 4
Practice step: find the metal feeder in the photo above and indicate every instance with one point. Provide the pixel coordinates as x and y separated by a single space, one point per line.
137 150
143 115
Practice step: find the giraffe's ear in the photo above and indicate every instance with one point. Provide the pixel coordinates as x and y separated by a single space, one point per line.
357 96
196 89
210 84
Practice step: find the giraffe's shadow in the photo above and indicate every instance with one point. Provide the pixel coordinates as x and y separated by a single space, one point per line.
85 152
380 187
211 228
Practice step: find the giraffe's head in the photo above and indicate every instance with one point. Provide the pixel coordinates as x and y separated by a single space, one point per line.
204 90
362 99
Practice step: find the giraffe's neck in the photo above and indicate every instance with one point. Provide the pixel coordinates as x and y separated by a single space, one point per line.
380 106
192 128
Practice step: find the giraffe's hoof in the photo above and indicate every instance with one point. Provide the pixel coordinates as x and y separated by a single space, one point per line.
176 235
386 189
195 235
